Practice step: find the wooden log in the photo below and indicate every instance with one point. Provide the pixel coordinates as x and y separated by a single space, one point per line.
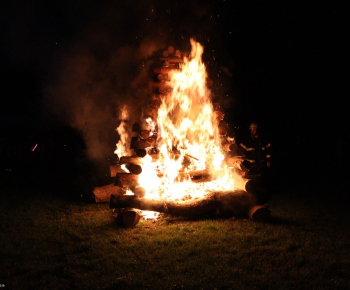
173 59
130 159
126 180
134 168
196 176
144 143
115 169
138 191
130 218
171 49
136 127
235 203
260 193
103 193
163 77
165 70
141 152
144 134
259 213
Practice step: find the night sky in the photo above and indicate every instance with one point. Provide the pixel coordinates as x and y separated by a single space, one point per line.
280 63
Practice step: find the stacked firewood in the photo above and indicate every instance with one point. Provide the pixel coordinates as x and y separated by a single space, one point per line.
144 142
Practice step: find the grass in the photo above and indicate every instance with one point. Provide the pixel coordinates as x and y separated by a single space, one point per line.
54 242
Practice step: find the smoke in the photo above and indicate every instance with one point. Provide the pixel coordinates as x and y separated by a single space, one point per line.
107 63
93 80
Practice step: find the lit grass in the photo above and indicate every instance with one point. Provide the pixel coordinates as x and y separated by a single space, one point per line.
50 242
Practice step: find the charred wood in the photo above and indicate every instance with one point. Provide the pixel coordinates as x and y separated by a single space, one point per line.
143 143
173 59
141 152
165 70
138 191
134 168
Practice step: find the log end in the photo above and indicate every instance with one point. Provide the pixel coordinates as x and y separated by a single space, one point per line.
130 218
259 213
102 194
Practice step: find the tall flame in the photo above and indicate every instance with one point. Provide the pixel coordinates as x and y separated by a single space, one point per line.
188 137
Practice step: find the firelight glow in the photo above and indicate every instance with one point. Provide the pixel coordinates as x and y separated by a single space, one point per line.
188 138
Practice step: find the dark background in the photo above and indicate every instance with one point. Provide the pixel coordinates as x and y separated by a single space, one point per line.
67 66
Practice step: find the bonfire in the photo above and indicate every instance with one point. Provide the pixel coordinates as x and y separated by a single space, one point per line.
179 160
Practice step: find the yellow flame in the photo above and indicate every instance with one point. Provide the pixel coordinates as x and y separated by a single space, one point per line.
188 138
123 144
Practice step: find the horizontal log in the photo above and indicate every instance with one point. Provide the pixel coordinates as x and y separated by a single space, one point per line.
195 176
261 194
173 59
236 203
115 169
103 193
134 168
165 70
143 143
126 180
138 191
259 213
141 152
130 159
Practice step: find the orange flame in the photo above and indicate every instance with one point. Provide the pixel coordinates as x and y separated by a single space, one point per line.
188 138
123 144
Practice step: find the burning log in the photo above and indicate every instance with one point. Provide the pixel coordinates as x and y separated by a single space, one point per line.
130 159
165 70
126 180
115 169
143 143
173 59
134 168
138 191
237 203
196 176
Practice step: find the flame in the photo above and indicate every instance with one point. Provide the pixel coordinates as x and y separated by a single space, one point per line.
188 138
123 144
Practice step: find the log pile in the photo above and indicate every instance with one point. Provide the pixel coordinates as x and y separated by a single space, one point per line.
249 203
